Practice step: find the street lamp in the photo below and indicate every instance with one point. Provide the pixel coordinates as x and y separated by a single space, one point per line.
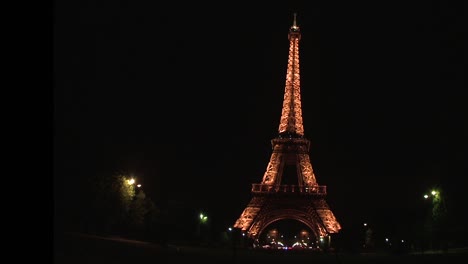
203 218
435 194
438 217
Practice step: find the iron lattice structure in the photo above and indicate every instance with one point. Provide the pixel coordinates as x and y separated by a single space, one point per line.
272 200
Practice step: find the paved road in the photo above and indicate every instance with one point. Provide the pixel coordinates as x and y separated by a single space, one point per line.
79 248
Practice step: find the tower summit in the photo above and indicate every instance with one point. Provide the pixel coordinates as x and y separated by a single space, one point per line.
291 116
289 189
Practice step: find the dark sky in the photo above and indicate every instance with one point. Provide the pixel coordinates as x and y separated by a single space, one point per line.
187 97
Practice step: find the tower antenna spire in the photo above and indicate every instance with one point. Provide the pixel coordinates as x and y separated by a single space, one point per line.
294 23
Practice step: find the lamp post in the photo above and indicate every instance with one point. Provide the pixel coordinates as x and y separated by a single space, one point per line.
437 216
368 242
203 219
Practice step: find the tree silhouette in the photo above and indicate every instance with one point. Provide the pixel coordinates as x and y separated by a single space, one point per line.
111 199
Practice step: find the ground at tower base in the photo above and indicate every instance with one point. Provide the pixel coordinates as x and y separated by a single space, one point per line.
80 248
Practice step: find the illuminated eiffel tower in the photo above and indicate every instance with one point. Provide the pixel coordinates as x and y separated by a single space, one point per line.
289 189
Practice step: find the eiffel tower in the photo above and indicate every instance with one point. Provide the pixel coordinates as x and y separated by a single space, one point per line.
289 189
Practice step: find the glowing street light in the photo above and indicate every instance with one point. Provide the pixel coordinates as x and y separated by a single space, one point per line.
433 193
203 222
139 185
203 218
131 181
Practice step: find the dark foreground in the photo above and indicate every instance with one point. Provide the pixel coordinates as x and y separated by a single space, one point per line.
77 248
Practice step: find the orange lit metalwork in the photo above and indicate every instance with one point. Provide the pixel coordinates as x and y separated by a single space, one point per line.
272 200
291 116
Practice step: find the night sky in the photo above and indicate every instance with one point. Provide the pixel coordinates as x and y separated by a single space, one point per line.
186 97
